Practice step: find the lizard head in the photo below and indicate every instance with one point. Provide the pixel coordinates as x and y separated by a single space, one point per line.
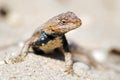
62 23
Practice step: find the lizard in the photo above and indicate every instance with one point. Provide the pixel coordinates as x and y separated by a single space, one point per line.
51 35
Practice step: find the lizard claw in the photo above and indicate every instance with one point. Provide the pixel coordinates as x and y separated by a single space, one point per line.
69 71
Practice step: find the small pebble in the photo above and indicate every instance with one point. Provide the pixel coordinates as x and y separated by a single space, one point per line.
2 62
79 68
99 55
21 44
3 12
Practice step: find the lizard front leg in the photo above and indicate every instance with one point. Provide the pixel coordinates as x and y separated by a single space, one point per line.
68 56
24 52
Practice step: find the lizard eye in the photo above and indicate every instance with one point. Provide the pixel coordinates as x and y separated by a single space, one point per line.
63 22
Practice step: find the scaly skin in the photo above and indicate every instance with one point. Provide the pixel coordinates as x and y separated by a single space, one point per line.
50 36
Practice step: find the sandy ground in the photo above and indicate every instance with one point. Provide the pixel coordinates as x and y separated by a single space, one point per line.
51 67
45 68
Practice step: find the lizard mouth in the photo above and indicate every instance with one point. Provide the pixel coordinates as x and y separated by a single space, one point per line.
67 28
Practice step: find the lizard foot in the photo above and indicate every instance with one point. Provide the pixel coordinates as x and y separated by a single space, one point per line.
14 60
69 71
18 59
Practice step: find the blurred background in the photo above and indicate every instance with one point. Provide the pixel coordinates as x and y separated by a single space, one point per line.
100 20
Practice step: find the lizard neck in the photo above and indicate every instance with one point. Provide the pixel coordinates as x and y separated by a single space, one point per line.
45 38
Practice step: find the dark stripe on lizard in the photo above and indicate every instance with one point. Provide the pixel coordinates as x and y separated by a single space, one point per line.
44 39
